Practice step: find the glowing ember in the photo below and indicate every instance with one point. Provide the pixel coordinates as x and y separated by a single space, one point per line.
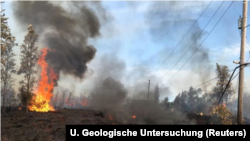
41 100
20 108
110 117
84 102
69 103
134 116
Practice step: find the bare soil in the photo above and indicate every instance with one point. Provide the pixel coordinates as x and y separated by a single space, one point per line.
36 126
16 125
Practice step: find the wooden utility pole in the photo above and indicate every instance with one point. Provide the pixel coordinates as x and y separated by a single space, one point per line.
242 60
148 88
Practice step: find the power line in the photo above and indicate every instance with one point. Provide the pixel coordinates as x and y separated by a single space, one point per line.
232 79
203 40
236 10
235 76
246 41
195 39
206 82
209 80
216 95
221 95
236 88
246 45
226 87
185 35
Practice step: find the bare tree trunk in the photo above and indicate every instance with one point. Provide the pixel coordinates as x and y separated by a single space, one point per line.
3 103
27 106
4 95
63 100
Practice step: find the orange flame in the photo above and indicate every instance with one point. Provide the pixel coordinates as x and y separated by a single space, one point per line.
134 116
224 104
69 103
20 108
84 102
41 100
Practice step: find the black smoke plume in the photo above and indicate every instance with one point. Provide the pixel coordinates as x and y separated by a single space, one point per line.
65 31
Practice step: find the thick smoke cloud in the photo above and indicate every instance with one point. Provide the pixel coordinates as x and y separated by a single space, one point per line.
169 21
109 95
64 31
68 33
121 93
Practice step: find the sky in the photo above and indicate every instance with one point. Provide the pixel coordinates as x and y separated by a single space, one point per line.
142 36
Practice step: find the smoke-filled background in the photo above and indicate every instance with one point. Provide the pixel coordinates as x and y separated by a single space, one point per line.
109 50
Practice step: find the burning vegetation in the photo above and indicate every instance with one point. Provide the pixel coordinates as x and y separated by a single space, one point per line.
43 94
114 94
108 98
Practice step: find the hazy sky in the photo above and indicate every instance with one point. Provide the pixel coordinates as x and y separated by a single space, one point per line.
142 39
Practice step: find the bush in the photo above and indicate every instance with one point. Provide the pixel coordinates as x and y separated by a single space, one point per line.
224 115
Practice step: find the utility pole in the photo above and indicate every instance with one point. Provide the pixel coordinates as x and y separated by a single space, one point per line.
148 88
242 60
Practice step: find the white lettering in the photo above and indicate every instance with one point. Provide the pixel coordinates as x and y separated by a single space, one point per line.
177 133
73 134
211 132
85 132
143 132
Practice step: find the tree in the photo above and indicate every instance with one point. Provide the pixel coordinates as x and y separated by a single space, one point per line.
23 96
29 57
8 65
223 114
223 75
203 103
63 100
193 98
11 97
180 102
156 95
166 105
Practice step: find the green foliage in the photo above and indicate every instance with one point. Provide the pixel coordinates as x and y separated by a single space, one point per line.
190 101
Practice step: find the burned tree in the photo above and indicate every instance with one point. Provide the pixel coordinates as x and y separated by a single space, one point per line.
29 56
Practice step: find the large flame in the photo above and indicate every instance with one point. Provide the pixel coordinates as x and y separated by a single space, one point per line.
41 100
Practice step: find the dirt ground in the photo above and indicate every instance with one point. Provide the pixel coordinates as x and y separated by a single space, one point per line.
17 125
34 126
